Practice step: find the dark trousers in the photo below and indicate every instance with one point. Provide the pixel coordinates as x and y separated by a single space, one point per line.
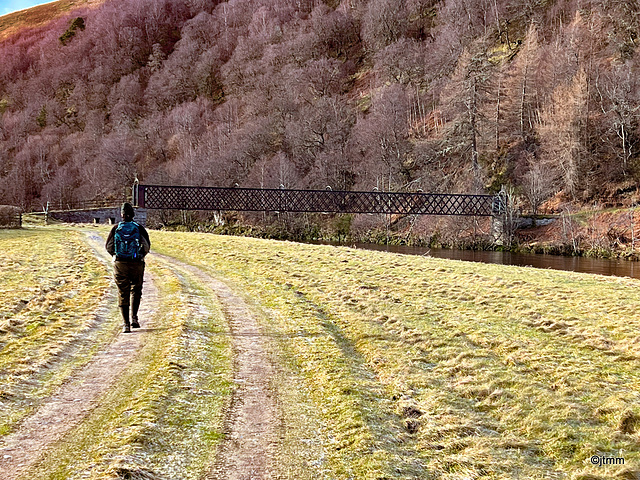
129 277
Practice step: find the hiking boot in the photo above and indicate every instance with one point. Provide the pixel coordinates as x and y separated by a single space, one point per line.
135 305
124 310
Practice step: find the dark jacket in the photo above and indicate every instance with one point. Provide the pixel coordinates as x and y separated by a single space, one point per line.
111 247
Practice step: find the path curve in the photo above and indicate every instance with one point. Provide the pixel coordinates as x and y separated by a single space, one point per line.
252 423
78 396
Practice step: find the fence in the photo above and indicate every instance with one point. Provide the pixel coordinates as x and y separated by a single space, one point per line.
81 204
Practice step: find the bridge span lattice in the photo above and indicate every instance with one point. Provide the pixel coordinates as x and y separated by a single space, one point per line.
286 200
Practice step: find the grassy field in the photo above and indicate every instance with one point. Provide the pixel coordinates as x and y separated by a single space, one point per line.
163 417
389 366
429 368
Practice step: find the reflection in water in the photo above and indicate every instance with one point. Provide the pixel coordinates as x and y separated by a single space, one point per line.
618 268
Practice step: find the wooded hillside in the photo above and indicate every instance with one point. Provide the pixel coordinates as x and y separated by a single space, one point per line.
449 95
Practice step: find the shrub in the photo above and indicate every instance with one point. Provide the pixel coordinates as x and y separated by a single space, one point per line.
9 216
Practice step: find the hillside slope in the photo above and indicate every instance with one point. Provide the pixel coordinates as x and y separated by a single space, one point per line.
445 95
38 16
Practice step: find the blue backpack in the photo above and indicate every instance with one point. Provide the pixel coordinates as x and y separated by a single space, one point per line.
127 241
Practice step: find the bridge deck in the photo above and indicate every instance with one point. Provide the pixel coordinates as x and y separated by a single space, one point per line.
273 200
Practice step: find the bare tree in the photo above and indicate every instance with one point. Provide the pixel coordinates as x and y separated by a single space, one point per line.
561 133
521 97
619 94
384 136
384 22
537 184
467 96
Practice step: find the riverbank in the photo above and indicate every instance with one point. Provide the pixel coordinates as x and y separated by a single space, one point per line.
611 233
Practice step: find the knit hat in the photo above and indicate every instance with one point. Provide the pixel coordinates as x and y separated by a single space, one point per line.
127 211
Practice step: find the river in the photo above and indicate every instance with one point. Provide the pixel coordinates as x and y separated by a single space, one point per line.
614 267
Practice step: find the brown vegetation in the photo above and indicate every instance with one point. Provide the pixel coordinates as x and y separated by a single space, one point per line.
444 95
9 216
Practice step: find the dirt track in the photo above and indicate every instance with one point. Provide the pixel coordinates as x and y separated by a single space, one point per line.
251 421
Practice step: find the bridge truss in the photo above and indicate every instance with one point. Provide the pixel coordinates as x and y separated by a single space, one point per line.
285 200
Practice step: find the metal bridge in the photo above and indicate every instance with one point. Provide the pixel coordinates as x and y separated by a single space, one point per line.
284 200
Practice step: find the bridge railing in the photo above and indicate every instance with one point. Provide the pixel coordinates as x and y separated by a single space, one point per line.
285 200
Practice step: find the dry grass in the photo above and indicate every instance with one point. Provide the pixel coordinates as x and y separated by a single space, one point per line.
40 15
389 366
50 320
428 368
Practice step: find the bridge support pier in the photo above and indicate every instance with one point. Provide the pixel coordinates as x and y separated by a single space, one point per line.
498 230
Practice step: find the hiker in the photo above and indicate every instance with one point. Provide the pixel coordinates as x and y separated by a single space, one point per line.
129 243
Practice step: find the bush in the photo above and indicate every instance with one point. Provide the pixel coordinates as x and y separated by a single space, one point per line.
9 216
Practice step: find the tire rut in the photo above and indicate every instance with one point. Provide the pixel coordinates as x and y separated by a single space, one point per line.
80 394
252 421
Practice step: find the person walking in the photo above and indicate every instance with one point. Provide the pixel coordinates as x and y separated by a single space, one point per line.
128 243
